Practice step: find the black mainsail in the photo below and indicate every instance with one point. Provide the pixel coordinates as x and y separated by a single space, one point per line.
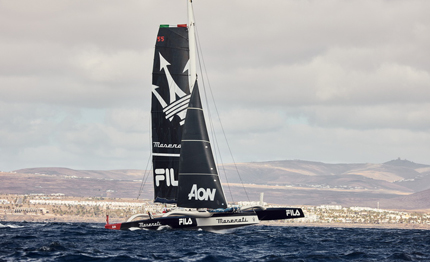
170 98
183 165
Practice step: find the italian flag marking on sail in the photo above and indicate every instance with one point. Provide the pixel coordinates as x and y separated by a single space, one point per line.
178 25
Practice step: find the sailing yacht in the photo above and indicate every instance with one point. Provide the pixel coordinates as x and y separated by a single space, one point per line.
184 170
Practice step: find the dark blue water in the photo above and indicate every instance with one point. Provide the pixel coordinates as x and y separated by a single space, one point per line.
91 242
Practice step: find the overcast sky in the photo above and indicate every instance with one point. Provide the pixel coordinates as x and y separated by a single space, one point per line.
331 81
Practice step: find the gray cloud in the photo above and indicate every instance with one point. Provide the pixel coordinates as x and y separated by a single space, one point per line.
335 81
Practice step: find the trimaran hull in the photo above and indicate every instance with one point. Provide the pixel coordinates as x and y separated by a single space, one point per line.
214 221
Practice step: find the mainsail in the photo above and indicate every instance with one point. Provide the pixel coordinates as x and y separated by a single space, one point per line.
171 95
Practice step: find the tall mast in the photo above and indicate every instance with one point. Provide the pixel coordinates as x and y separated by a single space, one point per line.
192 43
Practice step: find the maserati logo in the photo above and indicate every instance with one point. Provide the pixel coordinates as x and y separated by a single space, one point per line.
160 145
179 100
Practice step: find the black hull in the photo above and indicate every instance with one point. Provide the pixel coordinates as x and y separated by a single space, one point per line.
280 213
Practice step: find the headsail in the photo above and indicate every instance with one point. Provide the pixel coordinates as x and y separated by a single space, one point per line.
199 184
171 95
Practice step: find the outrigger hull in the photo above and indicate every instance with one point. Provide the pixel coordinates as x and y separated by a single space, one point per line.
216 221
279 213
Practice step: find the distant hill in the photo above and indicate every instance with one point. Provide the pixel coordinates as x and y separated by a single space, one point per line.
405 163
127 174
292 182
73 183
401 175
416 201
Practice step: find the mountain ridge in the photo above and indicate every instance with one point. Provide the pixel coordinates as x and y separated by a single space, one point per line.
296 182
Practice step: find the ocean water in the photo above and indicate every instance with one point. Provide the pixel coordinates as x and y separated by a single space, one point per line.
91 242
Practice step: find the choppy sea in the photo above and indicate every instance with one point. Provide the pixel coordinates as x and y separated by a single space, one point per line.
91 242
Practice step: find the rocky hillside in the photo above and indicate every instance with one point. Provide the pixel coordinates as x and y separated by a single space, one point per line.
397 183
402 175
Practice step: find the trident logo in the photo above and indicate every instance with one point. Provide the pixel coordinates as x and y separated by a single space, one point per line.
176 106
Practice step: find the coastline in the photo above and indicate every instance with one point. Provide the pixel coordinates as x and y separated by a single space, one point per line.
53 218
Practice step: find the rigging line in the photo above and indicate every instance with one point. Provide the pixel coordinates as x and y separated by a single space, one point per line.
146 172
217 148
222 127
144 178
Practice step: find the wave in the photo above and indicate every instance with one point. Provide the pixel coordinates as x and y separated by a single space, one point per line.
90 242
10 226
